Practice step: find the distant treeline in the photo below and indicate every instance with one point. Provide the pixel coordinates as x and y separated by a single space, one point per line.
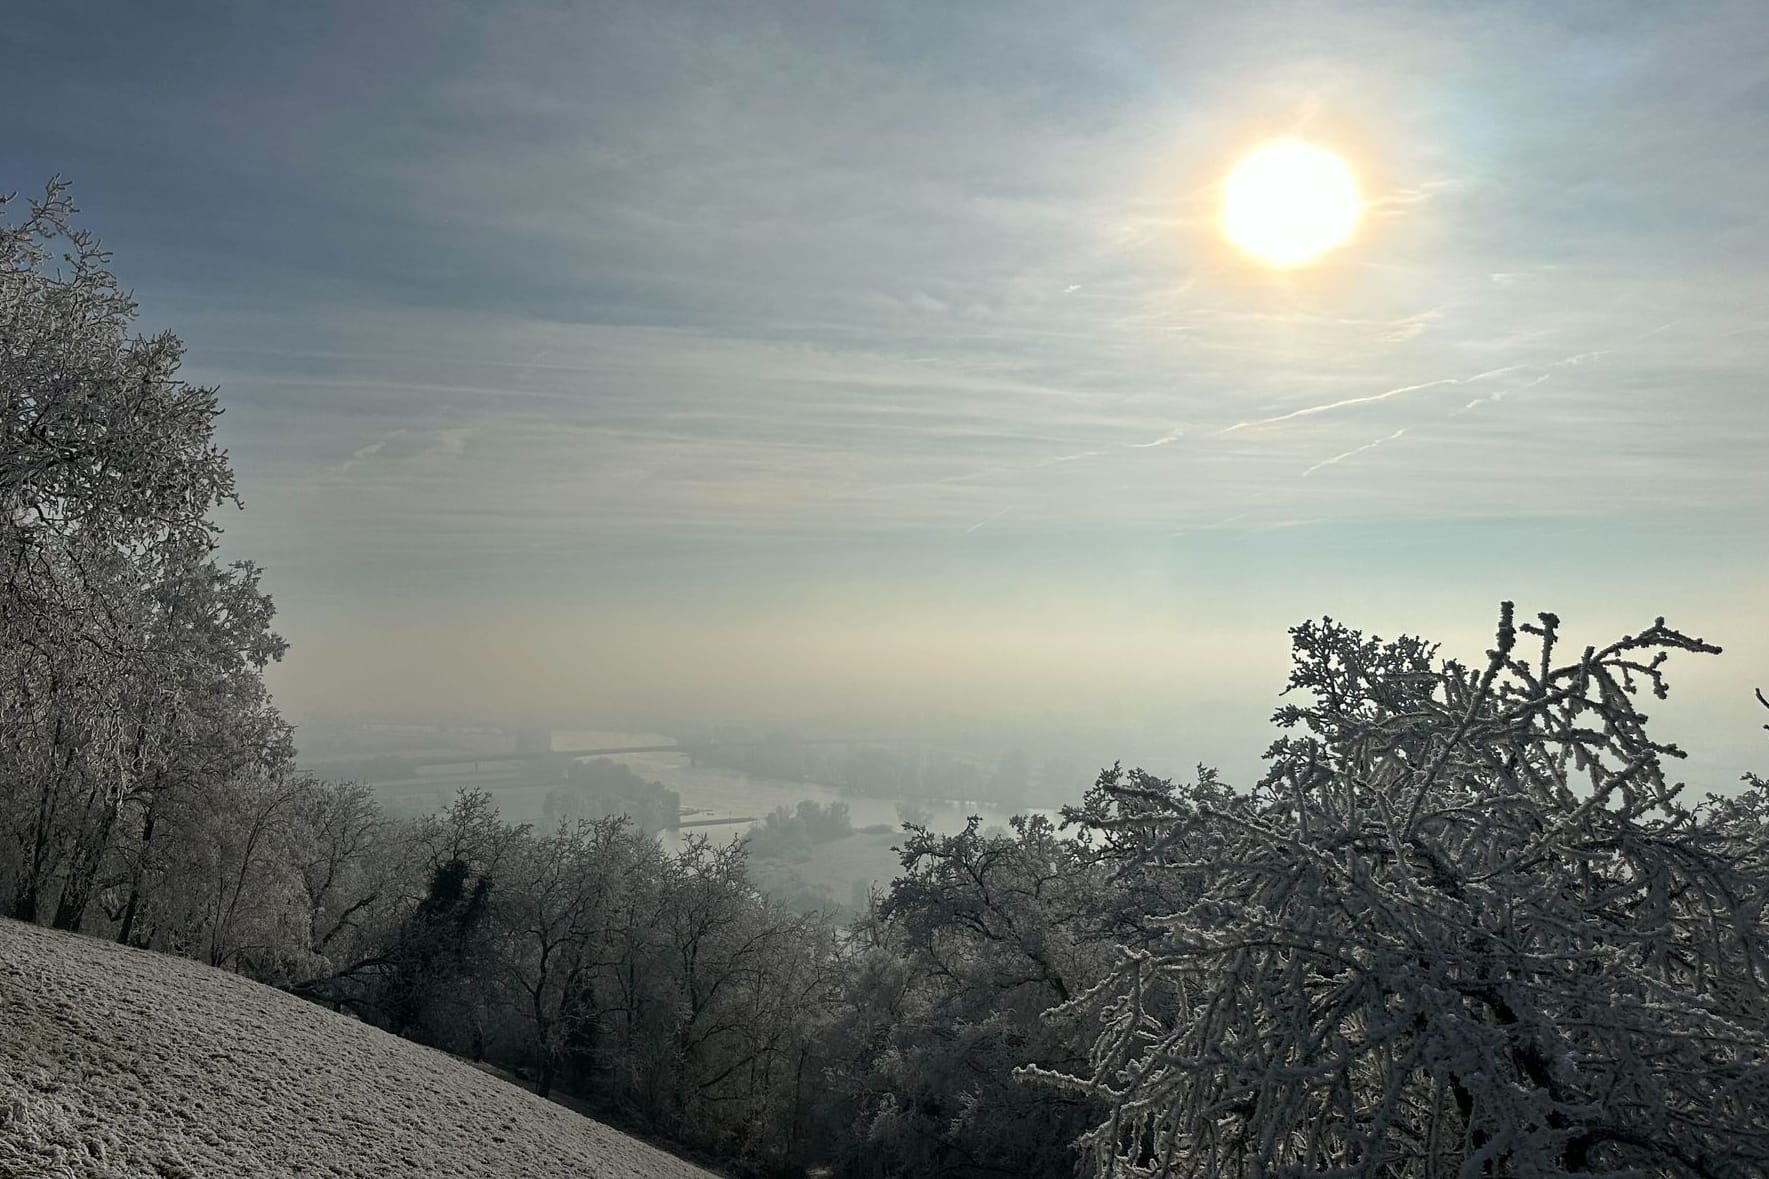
600 788
783 833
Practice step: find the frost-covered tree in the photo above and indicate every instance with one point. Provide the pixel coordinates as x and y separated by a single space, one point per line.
560 909
226 884
201 723
100 437
1464 926
129 660
943 991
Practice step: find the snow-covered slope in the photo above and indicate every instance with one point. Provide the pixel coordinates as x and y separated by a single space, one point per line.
121 1062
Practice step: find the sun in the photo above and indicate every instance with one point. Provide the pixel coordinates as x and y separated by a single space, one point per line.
1289 202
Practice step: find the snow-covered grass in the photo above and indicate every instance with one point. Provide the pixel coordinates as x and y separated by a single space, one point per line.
120 1062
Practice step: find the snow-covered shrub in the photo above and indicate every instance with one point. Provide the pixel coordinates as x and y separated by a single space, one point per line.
1464 926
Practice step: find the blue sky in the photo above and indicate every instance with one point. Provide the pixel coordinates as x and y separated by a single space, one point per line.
775 361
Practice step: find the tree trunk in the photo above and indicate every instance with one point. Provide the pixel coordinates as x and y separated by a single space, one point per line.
133 907
30 883
24 898
81 877
544 1087
70 909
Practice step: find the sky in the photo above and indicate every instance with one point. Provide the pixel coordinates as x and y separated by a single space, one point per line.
880 366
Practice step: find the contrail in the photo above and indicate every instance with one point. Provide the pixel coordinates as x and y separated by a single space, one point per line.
988 519
1065 458
1339 458
1500 394
1163 440
1234 519
1314 409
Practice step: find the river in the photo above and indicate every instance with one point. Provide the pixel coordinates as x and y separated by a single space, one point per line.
725 802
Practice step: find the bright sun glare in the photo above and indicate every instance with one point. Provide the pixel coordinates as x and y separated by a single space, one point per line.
1289 202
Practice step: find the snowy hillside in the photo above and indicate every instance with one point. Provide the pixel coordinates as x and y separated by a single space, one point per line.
119 1062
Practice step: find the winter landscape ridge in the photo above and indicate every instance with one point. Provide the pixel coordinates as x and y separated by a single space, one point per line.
124 1062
